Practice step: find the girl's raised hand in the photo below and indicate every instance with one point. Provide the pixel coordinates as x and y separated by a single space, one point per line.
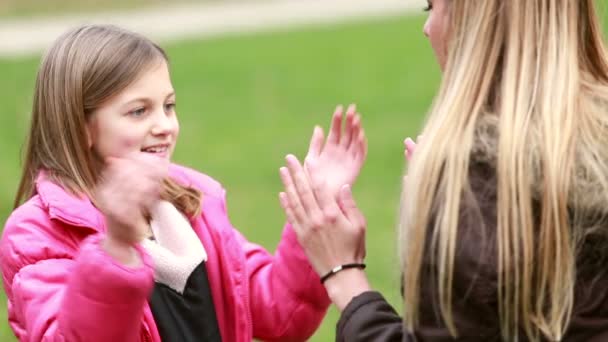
339 159
129 187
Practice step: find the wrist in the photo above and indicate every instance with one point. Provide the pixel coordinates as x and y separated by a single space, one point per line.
340 268
121 251
343 286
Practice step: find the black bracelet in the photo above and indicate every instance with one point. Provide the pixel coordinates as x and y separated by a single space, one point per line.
340 268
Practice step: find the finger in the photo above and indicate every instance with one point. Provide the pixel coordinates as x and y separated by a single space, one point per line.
349 207
317 182
348 126
150 197
361 149
115 168
152 177
297 210
336 126
410 147
302 185
287 208
142 190
140 229
355 131
155 167
316 143
132 170
326 200
409 143
147 160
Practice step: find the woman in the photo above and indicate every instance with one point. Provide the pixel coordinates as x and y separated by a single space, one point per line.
504 218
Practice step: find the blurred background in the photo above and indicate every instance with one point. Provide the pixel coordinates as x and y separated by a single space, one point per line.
249 93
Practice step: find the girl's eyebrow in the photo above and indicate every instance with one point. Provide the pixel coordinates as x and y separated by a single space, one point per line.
146 99
138 99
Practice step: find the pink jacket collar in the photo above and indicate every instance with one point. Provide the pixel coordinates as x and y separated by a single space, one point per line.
62 205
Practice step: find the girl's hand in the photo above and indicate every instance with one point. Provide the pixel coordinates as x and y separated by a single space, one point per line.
128 189
339 159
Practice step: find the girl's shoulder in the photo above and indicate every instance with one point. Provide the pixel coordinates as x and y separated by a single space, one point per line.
198 180
49 224
31 234
32 211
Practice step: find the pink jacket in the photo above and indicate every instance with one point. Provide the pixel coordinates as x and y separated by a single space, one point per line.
62 286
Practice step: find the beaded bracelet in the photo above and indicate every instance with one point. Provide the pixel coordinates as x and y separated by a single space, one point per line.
340 268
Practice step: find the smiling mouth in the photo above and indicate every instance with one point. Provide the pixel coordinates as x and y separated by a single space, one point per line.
156 149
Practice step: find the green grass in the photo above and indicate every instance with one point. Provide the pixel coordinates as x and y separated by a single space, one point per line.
258 99
245 102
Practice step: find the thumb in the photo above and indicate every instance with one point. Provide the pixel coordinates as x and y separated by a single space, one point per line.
316 143
310 163
311 166
348 205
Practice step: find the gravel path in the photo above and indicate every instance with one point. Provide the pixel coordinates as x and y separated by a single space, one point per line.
31 36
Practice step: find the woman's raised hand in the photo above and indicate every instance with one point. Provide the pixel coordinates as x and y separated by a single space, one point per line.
331 230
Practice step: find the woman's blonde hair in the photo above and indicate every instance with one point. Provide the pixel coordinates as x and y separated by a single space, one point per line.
539 69
84 68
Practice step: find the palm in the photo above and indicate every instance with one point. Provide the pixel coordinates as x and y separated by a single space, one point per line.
339 159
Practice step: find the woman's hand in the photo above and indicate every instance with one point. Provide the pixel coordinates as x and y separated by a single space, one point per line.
331 231
340 158
410 146
128 189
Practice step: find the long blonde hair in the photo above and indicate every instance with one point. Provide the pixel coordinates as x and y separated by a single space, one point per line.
85 67
540 69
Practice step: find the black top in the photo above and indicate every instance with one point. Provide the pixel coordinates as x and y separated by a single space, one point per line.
368 317
189 316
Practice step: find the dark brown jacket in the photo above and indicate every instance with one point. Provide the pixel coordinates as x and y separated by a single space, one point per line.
370 318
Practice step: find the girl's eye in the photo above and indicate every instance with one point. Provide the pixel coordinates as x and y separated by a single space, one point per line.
169 107
429 7
138 112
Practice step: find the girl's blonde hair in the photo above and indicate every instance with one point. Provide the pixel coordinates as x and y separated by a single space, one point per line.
84 68
539 69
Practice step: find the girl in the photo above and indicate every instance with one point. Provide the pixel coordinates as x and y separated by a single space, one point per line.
504 228
97 181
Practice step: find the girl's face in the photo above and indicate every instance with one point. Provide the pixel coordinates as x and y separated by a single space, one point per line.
435 29
140 119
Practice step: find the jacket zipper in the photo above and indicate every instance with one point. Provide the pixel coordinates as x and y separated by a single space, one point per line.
147 335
